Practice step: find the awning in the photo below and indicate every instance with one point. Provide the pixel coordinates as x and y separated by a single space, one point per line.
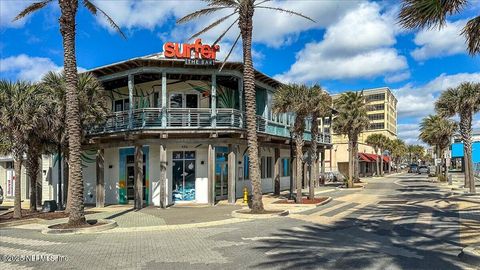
372 157
386 159
363 157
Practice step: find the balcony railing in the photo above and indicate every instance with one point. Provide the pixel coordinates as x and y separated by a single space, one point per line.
191 118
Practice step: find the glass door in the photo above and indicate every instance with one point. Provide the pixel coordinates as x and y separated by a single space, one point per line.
183 175
221 173
184 117
131 178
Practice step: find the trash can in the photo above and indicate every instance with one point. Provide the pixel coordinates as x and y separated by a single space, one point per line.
49 206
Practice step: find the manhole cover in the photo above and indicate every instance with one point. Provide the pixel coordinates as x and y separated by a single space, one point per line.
392 202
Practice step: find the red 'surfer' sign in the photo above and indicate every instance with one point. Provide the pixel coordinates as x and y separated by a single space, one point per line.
186 51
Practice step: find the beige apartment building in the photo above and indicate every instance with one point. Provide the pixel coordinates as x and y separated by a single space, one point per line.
382 112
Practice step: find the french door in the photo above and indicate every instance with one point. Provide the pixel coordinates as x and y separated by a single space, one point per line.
184 118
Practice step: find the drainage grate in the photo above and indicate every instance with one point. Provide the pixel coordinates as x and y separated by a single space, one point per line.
392 202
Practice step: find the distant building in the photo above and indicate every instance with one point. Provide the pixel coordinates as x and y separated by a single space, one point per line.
382 112
457 155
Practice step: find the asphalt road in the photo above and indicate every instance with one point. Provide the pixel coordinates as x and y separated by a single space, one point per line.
402 222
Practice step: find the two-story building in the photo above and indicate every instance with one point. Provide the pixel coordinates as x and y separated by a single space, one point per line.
182 122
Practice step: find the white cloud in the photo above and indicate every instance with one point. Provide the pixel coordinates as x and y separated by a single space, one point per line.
437 43
418 101
402 76
409 133
24 67
357 46
281 28
9 9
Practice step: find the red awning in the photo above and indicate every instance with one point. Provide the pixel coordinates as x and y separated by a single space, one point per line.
386 159
363 157
372 157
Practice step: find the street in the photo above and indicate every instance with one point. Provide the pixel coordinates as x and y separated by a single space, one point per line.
396 222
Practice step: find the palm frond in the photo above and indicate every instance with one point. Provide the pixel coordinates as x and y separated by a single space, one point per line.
225 3
94 10
428 13
224 33
230 52
199 13
215 23
261 2
471 31
291 12
32 8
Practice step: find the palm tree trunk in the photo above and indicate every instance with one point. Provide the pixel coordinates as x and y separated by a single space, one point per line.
67 190
32 172
17 204
314 158
246 29
466 132
350 164
381 162
377 161
67 29
299 172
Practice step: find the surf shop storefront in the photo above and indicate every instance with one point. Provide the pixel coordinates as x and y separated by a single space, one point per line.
176 132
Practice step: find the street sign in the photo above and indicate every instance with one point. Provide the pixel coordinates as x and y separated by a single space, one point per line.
438 161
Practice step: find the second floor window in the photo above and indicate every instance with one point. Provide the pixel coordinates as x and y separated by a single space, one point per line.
121 105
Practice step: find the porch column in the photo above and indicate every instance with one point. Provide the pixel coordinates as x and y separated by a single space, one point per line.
232 173
163 176
213 105
100 190
164 99
211 174
322 129
240 99
130 99
277 168
322 160
138 173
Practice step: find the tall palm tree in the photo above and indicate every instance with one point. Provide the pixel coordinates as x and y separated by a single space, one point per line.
375 141
291 98
22 113
437 131
399 150
244 11
319 103
463 101
67 21
433 13
351 120
92 105
388 146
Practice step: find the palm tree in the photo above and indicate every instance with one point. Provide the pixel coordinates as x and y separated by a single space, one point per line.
351 120
388 146
93 111
463 101
291 98
375 141
319 103
244 9
437 131
22 114
67 22
433 13
399 150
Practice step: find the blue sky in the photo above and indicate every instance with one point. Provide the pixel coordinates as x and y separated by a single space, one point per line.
353 45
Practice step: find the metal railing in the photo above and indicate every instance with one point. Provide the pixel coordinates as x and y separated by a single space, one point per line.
191 118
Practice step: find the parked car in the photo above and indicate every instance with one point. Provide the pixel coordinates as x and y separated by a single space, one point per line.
423 169
1 195
413 168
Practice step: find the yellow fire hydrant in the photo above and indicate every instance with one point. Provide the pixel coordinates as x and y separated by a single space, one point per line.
245 195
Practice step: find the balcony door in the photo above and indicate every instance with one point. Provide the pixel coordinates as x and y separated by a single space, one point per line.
185 117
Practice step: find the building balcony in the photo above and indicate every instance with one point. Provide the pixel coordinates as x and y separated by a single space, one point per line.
191 119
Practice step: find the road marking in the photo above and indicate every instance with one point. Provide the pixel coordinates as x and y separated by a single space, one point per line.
328 209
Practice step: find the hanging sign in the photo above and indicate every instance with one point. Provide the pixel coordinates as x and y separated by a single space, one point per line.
194 54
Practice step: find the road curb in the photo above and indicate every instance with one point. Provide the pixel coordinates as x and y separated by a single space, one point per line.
15 223
110 224
239 214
